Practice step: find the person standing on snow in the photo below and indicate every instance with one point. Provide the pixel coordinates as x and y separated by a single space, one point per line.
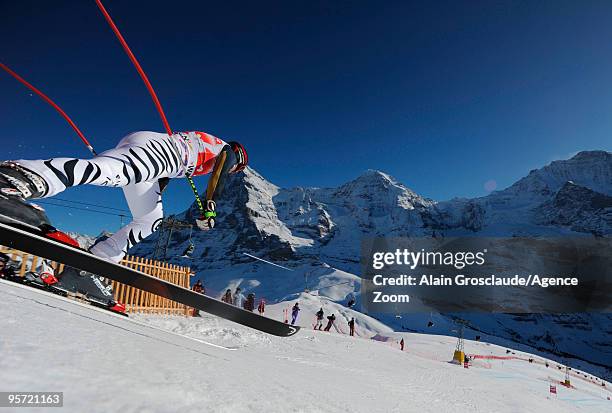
238 298
141 164
227 297
294 313
330 322
319 323
402 344
261 307
198 288
351 325
249 304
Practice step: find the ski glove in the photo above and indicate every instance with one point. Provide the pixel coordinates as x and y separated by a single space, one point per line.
207 221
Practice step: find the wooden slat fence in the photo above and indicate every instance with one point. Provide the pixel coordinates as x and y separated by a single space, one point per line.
140 301
28 262
135 300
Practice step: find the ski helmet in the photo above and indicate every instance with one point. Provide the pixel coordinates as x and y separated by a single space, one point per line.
242 157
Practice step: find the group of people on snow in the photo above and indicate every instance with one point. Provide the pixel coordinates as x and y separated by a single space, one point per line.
239 300
319 323
248 303
320 317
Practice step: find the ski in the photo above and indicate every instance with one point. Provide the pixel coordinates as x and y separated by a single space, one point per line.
31 240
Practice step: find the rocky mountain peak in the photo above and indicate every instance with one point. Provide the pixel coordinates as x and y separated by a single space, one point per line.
593 156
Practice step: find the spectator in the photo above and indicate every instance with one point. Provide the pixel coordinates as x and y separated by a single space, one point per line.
294 313
330 322
261 307
198 288
351 325
402 344
319 323
238 298
227 297
249 304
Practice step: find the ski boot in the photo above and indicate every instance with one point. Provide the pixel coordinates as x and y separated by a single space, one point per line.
16 185
41 276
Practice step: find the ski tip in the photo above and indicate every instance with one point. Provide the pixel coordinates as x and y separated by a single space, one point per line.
292 330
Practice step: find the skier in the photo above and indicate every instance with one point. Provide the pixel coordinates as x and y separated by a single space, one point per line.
238 298
351 325
198 288
294 313
142 165
261 307
227 297
319 323
249 304
330 322
402 344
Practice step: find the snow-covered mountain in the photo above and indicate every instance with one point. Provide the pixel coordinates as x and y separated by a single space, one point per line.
317 232
539 203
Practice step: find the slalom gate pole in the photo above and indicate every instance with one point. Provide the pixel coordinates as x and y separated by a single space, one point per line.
149 87
52 104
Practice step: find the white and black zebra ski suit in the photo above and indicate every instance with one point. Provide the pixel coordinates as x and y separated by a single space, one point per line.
136 165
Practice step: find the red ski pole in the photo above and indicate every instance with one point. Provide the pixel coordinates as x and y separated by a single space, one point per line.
147 83
53 104
141 72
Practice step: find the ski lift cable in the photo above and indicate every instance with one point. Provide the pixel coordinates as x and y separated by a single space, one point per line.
333 285
267 262
46 202
90 204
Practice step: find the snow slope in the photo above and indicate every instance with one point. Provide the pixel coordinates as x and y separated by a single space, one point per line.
104 362
317 233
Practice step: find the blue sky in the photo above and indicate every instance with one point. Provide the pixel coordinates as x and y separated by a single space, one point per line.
444 96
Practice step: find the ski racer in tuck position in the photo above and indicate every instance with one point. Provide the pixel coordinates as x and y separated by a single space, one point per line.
141 164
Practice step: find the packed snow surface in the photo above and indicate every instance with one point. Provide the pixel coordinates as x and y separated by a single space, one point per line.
108 363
